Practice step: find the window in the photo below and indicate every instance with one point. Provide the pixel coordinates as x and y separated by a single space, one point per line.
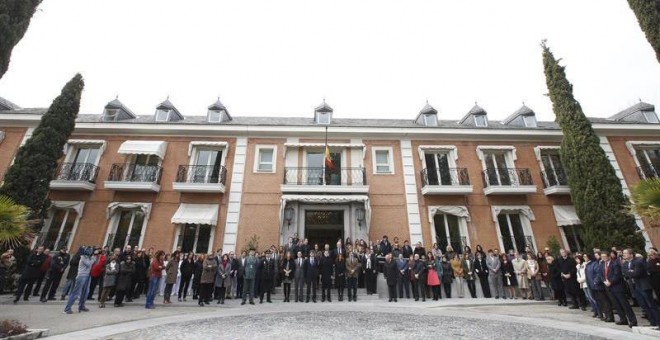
512 233
324 118
448 232
573 237
82 166
194 238
383 160
530 121
162 115
143 168
553 171
437 168
498 169
110 115
57 233
127 230
215 116
649 161
650 116
265 159
430 120
207 167
315 171
480 121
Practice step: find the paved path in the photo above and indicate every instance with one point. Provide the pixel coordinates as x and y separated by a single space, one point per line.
460 318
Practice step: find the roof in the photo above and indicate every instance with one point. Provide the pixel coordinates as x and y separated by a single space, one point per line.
522 111
428 109
324 107
641 106
217 106
7 104
116 104
475 110
167 104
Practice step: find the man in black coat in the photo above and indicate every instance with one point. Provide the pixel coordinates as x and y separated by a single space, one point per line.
419 286
311 275
569 277
58 265
385 246
370 265
327 269
267 275
71 275
406 250
481 268
30 274
391 272
642 289
419 250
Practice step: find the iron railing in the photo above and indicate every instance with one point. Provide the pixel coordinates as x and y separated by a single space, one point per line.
554 177
648 171
84 172
507 177
205 174
325 176
127 172
449 176
53 244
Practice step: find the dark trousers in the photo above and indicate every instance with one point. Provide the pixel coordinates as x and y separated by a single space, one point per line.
220 293
560 296
119 297
184 285
37 284
436 292
421 289
95 281
312 286
287 291
646 301
52 282
340 288
299 285
391 291
168 291
623 308
371 281
24 286
572 295
352 288
415 289
205 292
485 287
248 289
472 287
135 290
239 287
604 304
655 283
3 275
326 288
195 288
447 287
265 289
404 285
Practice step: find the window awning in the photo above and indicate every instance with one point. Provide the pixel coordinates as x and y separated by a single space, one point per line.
143 147
565 215
218 144
196 214
328 199
524 210
456 210
114 206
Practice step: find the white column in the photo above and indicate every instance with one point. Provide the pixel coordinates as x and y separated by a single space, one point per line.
412 202
235 194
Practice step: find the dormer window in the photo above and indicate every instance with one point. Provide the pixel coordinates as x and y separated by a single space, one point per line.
480 121
215 116
162 115
323 114
530 121
110 115
650 116
324 118
430 120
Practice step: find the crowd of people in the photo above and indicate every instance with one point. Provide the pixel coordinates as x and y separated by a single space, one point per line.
603 281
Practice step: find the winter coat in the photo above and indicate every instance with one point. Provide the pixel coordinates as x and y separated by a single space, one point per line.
33 266
208 272
172 270
222 278
111 271
187 268
73 267
126 271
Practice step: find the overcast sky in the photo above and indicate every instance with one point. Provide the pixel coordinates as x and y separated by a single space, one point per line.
369 59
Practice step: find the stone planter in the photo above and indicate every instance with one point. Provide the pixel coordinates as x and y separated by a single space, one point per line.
29 335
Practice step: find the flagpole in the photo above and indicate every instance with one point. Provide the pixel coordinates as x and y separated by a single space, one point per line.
325 151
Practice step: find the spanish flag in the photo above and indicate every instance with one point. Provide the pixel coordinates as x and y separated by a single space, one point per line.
329 164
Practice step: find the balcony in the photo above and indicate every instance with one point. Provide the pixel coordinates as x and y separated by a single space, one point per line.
75 176
648 171
200 178
134 177
322 180
452 181
506 181
555 182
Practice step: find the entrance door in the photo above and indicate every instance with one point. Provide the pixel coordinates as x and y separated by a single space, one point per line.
324 227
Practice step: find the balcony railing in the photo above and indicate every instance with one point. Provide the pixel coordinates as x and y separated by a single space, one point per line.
201 174
84 172
325 176
507 177
135 173
451 176
648 171
552 178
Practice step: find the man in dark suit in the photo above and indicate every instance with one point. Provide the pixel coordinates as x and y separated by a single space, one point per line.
419 250
339 250
327 269
240 271
370 263
385 246
642 289
613 280
406 250
419 286
299 277
311 275
481 269
352 272
30 274
267 274
391 272
569 277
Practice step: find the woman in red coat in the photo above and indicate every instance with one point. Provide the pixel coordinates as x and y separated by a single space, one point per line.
432 279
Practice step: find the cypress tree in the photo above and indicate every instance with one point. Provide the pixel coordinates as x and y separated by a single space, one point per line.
27 180
595 188
648 16
15 18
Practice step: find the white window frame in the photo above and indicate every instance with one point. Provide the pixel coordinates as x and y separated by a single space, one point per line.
390 160
509 157
167 118
107 117
476 121
2 136
73 145
430 119
647 116
525 220
462 228
194 153
76 206
212 112
178 233
114 224
323 118
634 146
257 154
529 121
